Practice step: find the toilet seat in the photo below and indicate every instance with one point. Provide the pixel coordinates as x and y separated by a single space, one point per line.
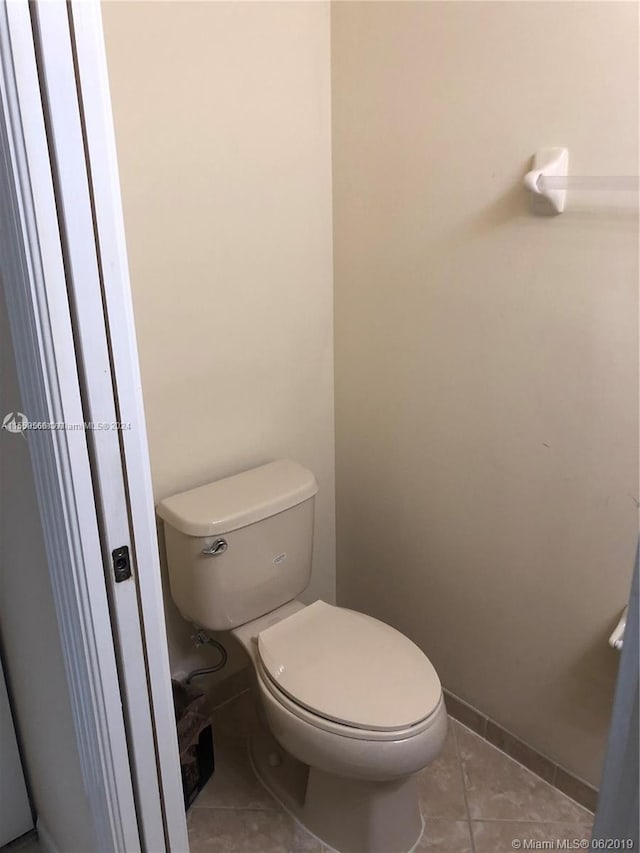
346 672
344 730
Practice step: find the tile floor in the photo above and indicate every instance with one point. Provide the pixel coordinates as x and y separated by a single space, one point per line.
474 798
25 844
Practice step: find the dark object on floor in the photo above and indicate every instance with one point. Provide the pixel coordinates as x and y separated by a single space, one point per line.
195 739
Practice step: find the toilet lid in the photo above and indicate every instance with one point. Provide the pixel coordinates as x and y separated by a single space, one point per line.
350 668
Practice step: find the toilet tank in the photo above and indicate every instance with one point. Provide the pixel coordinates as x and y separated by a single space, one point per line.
240 547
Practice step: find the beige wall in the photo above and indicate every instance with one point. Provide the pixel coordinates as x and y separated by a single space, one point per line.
486 370
222 115
486 360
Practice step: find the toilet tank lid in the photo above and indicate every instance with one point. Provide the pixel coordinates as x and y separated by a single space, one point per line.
235 502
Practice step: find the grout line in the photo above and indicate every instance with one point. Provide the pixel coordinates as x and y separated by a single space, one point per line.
275 809
535 822
556 768
524 767
230 699
464 788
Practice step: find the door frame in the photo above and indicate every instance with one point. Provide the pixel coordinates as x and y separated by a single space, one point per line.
95 98
59 186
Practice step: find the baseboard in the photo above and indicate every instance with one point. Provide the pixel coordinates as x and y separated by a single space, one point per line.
565 781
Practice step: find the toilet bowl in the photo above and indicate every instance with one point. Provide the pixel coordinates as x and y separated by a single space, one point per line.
338 749
359 753
340 712
349 708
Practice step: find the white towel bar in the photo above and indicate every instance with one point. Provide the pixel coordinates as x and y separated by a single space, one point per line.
549 180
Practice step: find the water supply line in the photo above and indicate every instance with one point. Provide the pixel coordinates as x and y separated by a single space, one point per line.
202 639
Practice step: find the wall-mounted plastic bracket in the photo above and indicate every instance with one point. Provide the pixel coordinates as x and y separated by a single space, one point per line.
547 162
616 640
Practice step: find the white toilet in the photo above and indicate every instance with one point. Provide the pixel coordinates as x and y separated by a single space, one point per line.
350 707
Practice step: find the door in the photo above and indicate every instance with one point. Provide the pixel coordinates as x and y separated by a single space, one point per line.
15 812
66 283
73 74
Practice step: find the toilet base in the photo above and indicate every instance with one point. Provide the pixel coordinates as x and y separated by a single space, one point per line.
350 815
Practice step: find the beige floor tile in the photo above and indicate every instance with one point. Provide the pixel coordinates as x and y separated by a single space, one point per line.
498 836
25 844
241 831
440 784
499 788
445 836
224 690
235 718
305 843
233 784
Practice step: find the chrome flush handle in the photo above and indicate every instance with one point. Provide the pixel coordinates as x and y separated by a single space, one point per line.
219 546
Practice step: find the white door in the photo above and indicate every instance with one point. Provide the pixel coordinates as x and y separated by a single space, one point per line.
70 313
15 812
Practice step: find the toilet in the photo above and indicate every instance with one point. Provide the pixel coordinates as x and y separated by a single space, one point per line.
349 708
